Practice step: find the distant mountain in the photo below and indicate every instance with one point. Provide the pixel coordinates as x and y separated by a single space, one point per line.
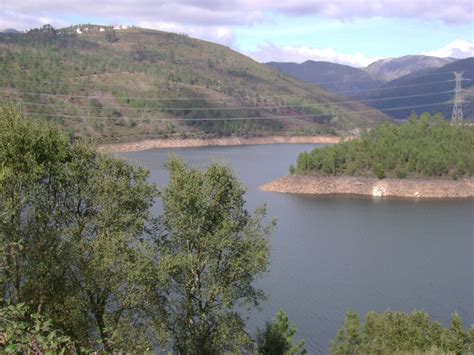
430 89
335 77
394 68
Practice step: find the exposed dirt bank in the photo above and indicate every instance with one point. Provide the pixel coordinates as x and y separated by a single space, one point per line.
182 143
427 188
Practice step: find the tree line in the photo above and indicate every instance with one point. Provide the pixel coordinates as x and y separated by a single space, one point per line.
86 267
425 146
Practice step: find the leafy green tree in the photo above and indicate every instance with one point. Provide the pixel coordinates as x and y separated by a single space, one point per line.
74 234
213 249
31 155
278 338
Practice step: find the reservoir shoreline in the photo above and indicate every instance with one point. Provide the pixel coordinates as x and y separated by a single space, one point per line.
389 187
209 142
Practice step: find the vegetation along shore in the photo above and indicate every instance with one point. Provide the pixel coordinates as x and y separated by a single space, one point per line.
427 157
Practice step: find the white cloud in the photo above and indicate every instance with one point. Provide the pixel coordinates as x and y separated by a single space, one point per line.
25 21
219 34
270 52
456 49
234 12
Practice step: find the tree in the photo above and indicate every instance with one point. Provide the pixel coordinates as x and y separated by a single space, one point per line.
278 338
212 250
348 338
425 146
74 234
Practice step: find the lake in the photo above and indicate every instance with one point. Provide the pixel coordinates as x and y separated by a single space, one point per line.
333 254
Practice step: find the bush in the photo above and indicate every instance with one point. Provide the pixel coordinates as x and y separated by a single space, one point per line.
292 169
24 332
379 171
401 173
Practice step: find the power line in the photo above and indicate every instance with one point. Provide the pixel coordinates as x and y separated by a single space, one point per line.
234 118
91 77
243 107
212 98
417 76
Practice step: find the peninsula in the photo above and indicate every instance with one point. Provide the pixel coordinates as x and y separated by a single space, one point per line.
426 157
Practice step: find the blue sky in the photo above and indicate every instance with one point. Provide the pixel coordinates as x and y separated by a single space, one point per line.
353 32
375 36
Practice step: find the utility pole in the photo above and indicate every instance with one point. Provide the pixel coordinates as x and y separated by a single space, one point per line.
457 115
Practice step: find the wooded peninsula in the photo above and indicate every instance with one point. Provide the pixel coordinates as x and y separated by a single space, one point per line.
426 157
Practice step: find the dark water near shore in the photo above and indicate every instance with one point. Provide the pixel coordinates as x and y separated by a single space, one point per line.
333 254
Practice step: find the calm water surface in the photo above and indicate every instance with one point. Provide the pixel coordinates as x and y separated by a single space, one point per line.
333 254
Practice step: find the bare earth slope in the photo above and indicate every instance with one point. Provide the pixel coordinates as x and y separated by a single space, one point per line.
420 188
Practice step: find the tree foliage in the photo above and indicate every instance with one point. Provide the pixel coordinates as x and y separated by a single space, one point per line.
400 333
212 248
80 244
24 332
71 232
425 146
278 337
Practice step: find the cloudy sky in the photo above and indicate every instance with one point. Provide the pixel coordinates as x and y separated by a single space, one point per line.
354 32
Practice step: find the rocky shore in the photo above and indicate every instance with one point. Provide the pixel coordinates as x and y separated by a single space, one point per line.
230 141
419 188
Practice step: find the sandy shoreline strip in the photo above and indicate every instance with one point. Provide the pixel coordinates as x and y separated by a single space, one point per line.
229 141
411 188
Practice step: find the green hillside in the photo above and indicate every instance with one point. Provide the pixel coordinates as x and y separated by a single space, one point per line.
135 83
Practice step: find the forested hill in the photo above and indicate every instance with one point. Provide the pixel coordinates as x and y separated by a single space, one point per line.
426 91
424 147
128 84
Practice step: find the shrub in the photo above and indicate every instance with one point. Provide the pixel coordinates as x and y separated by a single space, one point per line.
24 332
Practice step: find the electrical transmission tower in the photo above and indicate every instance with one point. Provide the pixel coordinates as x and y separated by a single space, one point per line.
457 115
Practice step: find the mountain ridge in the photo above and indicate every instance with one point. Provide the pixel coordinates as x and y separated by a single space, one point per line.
339 78
393 68
433 89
